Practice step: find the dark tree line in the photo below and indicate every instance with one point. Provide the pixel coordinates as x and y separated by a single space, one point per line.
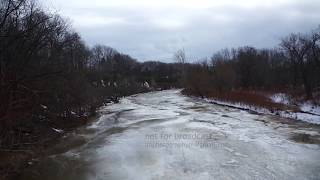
49 76
292 66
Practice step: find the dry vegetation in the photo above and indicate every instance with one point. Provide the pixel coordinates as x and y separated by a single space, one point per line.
247 97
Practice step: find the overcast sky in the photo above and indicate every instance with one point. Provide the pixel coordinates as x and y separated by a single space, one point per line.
155 29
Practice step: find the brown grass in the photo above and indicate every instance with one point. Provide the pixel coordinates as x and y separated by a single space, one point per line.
248 97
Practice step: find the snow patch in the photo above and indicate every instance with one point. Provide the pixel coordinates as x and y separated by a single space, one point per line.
146 84
280 98
43 106
306 107
57 130
310 107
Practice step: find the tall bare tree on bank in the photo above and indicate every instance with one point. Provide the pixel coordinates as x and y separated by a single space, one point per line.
315 41
180 58
301 50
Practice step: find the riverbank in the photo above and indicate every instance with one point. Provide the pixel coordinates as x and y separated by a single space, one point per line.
279 104
26 143
34 143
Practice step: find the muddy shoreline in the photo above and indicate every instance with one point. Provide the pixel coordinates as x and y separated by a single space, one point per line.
14 161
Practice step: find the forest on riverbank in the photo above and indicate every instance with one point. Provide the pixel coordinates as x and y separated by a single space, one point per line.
50 77
252 76
51 81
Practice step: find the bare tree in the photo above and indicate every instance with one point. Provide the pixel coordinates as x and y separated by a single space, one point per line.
100 54
180 56
297 47
315 42
8 7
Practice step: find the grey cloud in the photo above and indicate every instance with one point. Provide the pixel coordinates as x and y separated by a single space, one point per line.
154 34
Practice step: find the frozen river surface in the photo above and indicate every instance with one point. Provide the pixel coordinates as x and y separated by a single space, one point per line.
165 135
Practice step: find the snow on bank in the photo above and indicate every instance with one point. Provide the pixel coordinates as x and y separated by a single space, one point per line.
280 98
314 119
307 108
310 112
238 105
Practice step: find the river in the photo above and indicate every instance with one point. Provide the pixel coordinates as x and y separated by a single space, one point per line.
165 135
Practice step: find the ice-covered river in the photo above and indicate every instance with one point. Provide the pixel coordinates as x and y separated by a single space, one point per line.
165 135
